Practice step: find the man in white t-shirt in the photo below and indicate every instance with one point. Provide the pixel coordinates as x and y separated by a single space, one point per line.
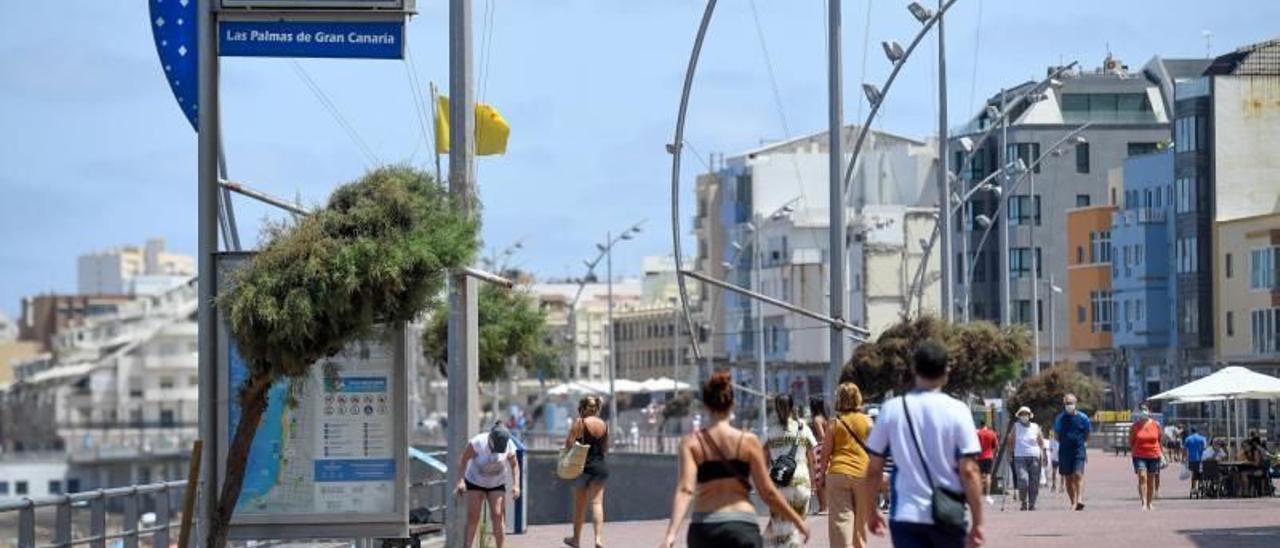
926 423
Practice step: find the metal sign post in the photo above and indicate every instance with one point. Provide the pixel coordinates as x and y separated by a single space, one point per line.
307 28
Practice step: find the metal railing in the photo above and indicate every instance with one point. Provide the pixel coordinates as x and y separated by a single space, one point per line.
640 443
65 529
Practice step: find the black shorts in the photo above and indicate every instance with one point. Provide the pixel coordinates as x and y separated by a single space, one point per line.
729 534
985 466
471 487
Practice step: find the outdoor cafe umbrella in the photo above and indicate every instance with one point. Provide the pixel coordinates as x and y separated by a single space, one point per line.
1230 384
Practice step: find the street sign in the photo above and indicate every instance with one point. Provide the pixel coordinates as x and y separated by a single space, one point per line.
315 4
329 458
329 39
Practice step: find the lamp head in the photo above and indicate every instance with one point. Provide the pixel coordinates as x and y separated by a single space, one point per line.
873 94
921 13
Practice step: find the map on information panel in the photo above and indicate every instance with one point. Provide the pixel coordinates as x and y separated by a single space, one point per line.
326 443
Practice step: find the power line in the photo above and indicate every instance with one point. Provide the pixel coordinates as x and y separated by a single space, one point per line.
415 91
977 48
337 115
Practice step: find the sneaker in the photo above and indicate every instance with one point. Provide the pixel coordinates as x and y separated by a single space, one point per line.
990 500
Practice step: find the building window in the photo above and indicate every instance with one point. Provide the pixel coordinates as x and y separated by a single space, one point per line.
1024 210
1027 152
1082 200
166 383
4 488
19 487
1020 262
1265 327
73 485
1100 308
1082 158
1228 265
1080 314
1021 311
1107 107
1079 254
55 487
1231 324
1039 315
1138 149
1100 247
1264 268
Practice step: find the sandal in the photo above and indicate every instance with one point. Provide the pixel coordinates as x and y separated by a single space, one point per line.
568 541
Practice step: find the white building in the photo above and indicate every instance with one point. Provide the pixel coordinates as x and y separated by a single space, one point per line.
584 324
778 195
130 270
888 275
117 397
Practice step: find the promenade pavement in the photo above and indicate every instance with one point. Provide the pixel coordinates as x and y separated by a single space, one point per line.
1112 518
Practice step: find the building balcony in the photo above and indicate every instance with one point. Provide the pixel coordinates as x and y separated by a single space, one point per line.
1141 216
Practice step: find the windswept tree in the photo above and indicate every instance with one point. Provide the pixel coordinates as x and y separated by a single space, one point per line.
983 356
378 252
511 326
1043 393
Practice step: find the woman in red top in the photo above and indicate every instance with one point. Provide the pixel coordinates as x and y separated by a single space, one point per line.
1144 444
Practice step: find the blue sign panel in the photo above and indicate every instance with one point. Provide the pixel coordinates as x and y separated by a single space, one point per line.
173 26
348 39
355 470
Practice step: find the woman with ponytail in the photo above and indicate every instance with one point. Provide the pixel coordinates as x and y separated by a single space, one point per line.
793 443
718 466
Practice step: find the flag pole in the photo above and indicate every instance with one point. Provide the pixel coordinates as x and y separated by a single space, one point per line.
435 112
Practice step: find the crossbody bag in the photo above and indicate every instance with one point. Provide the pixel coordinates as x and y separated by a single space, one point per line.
948 506
783 469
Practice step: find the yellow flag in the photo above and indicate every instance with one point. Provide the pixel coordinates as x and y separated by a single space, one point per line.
492 130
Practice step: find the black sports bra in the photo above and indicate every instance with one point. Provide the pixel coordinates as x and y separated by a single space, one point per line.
711 470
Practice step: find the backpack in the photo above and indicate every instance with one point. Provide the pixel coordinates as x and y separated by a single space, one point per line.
783 469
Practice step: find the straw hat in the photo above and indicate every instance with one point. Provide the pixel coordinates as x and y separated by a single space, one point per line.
1027 410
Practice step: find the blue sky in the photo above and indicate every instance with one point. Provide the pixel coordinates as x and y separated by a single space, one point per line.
94 152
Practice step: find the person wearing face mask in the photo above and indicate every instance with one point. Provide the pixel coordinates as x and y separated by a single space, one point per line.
1071 428
1028 456
1144 445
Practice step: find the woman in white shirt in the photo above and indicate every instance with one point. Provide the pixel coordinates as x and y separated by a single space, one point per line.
489 465
1028 456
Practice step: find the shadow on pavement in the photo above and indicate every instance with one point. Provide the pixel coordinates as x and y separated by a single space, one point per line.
1246 537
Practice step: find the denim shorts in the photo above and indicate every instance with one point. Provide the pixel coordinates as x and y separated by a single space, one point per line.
1151 466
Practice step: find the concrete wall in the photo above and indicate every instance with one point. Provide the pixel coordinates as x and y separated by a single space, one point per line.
1233 294
640 487
1084 276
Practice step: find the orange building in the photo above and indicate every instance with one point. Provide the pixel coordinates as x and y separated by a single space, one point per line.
1089 306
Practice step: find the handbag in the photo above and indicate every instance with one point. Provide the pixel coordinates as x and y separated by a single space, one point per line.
948 506
572 460
783 469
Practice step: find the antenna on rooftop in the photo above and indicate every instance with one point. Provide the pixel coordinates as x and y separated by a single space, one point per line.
1208 43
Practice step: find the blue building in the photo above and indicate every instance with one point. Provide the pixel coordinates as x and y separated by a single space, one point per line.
1143 279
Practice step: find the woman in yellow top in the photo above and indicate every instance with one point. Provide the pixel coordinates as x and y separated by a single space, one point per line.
847 461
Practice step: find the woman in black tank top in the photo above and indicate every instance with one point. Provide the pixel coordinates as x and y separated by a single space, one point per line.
718 466
593 432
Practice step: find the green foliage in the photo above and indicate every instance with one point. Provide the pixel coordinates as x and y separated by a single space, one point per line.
983 356
1043 393
378 251
511 325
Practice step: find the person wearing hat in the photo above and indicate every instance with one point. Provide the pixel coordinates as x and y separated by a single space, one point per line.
489 465
1028 456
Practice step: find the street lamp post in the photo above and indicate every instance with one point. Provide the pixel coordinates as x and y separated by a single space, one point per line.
1054 291
606 253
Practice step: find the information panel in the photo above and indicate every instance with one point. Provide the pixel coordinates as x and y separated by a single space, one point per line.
315 4
326 39
331 449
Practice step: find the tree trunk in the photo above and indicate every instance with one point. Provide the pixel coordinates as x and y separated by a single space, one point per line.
253 403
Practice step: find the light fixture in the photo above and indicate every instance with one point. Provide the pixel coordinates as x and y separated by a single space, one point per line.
1036 97
736 247
590 265
995 190
872 93
921 13
1055 83
601 247
1055 289
955 197
635 229
625 236
893 50
983 220
748 227
1080 140
966 144
993 113
923 243
726 265
1020 166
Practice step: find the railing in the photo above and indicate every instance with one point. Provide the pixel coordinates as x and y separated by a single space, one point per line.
64 528
640 443
428 497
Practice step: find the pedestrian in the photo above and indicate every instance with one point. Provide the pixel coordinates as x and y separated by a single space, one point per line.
489 465
988 439
1053 464
718 466
588 488
1194 445
818 423
1072 428
847 456
1144 445
932 438
1028 456
1171 438
790 444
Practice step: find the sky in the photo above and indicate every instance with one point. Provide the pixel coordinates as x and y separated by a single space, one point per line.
94 152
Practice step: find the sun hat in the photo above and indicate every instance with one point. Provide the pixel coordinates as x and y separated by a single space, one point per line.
1025 409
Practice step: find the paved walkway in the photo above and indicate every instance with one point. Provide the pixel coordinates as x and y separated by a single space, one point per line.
1112 518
